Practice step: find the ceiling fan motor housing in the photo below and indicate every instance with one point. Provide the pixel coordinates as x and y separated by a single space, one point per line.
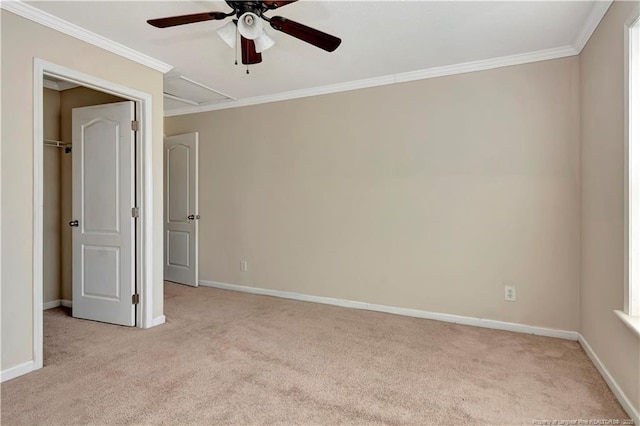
242 7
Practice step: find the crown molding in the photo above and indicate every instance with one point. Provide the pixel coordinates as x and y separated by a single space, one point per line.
598 10
41 17
466 67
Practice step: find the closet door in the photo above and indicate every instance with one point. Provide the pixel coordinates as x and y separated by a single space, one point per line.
181 209
103 227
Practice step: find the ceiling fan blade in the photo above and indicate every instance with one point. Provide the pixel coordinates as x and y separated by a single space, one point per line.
172 21
274 4
310 35
249 54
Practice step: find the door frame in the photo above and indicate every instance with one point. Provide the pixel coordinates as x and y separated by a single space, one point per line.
144 233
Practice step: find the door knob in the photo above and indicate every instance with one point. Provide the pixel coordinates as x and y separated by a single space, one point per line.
192 217
73 223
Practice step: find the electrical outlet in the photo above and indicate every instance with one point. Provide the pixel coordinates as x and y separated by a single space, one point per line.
244 266
509 293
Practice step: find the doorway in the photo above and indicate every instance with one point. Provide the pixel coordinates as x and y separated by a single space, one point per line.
61 101
141 104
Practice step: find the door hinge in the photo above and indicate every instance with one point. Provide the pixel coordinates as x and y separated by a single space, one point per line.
135 125
135 299
135 212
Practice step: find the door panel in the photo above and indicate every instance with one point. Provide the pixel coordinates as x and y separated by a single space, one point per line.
178 183
181 203
99 279
100 187
103 196
178 249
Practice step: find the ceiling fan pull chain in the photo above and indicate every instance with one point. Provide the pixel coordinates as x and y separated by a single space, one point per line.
247 69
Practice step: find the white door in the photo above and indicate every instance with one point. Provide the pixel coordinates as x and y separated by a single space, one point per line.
181 209
103 197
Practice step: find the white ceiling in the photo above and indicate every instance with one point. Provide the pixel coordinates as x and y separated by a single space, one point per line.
379 39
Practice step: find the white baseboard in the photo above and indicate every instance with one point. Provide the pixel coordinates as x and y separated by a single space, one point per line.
51 305
457 319
18 370
158 320
613 385
56 303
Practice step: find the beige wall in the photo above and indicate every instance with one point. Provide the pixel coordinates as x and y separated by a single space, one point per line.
602 125
51 197
69 99
429 195
22 40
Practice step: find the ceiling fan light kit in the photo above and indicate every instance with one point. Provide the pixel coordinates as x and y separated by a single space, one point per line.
263 42
228 33
254 40
250 26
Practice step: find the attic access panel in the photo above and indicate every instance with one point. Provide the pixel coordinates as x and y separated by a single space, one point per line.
182 87
172 103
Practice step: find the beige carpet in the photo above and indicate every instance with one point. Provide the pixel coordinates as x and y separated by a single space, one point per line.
230 358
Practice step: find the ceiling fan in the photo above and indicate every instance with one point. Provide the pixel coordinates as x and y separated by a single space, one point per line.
253 39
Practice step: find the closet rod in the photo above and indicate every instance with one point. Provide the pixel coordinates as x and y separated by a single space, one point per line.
58 144
55 143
